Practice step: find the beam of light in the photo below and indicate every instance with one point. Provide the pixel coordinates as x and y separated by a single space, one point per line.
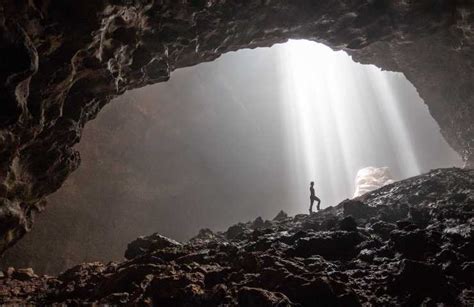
340 117
404 147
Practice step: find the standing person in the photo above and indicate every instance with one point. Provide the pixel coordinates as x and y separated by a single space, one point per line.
313 198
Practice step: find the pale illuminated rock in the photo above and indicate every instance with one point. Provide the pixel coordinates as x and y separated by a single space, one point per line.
371 178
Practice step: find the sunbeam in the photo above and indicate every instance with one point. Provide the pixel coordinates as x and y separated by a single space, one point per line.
340 117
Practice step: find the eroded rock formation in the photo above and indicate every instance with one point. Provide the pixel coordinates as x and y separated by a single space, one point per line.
63 60
406 244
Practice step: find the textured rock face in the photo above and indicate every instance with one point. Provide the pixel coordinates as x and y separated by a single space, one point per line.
407 244
64 60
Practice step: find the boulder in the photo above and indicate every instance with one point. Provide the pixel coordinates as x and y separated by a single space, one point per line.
348 224
348 299
330 245
204 234
256 297
235 231
143 245
383 229
421 280
357 209
280 216
24 274
258 223
412 244
467 273
317 292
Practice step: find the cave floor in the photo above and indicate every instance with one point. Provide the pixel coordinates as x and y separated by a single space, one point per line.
409 243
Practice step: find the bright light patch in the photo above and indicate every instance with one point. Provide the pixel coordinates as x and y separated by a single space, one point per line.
371 178
339 116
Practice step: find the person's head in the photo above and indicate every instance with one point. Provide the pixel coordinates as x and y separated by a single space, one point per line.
312 183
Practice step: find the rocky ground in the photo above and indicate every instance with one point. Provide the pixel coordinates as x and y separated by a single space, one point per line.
409 243
64 60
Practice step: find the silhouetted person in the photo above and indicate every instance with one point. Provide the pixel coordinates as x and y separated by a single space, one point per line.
313 198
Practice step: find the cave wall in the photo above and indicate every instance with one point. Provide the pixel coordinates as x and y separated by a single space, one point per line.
216 170
63 60
222 130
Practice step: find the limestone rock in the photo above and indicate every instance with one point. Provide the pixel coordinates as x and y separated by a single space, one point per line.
144 245
371 178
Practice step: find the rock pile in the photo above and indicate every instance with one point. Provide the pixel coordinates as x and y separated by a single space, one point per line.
409 243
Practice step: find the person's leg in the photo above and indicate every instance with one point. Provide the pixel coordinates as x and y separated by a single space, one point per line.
311 206
319 203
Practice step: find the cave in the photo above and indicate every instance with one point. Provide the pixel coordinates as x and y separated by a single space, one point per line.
409 242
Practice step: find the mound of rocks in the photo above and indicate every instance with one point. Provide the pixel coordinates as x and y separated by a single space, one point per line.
409 243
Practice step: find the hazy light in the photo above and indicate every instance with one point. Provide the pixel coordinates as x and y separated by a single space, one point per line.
340 117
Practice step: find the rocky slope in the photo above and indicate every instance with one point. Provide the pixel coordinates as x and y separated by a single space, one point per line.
409 243
63 60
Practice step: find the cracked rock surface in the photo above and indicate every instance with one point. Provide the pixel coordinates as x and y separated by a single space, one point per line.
63 60
409 243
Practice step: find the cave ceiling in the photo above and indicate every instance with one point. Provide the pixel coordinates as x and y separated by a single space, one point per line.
63 60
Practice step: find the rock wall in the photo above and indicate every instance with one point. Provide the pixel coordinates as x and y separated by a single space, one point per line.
63 60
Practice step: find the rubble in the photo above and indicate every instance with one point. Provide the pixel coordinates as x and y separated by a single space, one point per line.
385 255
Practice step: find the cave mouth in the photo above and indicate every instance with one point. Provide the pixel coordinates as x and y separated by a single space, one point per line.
229 140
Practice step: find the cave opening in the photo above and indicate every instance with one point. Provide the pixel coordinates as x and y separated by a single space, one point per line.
226 141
